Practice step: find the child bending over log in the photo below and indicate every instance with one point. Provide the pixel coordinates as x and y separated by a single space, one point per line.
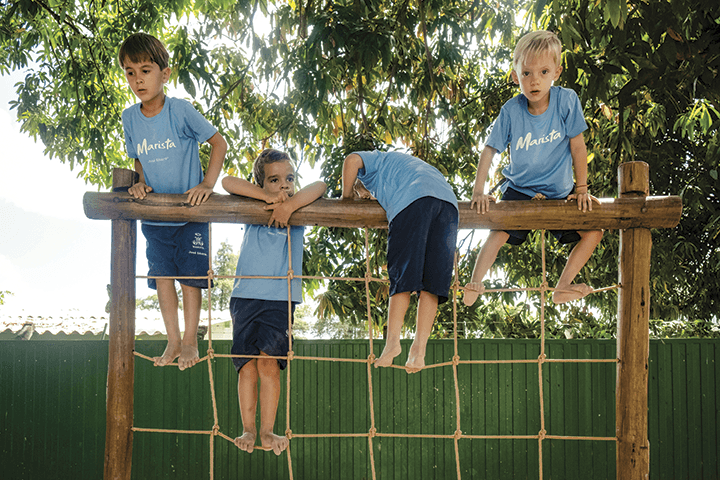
422 215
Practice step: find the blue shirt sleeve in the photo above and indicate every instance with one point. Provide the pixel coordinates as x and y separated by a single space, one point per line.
574 116
195 125
501 132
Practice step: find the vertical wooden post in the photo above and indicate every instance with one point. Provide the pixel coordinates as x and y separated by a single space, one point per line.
633 336
121 366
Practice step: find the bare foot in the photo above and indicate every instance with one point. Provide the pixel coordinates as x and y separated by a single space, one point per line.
172 351
472 292
246 442
188 357
416 359
571 292
275 442
389 353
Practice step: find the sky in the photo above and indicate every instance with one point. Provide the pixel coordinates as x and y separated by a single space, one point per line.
53 259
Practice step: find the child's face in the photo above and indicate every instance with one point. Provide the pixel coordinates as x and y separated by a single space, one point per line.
146 79
535 79
279 177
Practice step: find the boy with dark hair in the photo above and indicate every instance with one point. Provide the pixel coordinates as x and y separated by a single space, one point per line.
162 135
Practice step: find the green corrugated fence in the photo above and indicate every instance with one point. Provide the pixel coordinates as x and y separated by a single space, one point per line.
52 407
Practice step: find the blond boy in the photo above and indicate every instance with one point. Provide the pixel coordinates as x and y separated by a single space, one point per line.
543 126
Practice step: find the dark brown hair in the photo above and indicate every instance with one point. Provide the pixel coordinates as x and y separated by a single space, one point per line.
269 155
141 46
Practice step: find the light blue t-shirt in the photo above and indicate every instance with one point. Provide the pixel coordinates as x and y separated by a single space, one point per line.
167 145
397 179
264 252
540 159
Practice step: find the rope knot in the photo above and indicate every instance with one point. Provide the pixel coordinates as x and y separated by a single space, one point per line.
211 354
541 434
458 434
290 355
216 430
542 357
544 286
291 274
456 360
372 432
371 358
288 434
211 274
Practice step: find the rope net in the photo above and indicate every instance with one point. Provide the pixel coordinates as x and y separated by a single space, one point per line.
373 432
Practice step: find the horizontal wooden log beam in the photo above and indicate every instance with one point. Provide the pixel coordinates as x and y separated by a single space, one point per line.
648 212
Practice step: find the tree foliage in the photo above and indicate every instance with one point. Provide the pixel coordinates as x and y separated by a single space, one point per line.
430 76
4 293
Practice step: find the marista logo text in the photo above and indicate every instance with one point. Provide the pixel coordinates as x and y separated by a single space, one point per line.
145 148
527 141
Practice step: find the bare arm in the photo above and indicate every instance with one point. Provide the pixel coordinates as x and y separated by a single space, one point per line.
240 186
305 196
352 164
480 200
200 193
578 150
282 206
140 189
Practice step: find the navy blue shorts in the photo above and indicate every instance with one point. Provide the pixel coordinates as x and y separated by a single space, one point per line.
518 237
259 326
421 248
178 251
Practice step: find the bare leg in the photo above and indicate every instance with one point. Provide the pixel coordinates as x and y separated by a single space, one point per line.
269 372
488 253
427 308
167 297
247 397
192 301
565 290
397 307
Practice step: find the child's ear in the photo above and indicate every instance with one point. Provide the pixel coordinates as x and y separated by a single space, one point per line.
514 76
166 74
558 72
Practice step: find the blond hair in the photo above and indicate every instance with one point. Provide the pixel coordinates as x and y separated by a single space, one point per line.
267 156
535 44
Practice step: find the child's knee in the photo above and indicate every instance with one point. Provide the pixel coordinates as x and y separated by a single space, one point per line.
165 284
593 236
268 367
427 297
249 368
190 291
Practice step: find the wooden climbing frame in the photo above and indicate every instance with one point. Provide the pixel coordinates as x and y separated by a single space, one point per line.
634 213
